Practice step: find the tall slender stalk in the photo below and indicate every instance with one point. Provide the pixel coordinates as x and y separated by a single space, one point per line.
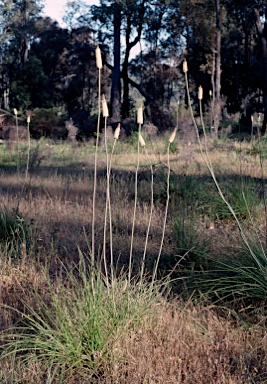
150 217
99 66
17 130
116 136
105 115
29 146
139 122
171 139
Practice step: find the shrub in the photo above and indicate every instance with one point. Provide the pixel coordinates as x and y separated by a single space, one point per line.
49 123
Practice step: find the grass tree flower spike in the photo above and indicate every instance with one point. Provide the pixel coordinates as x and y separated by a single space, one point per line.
140 119
98 57
172 137
200 93
185 67
141 140
104 107
117 132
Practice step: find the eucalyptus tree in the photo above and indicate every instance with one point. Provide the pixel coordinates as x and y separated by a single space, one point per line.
18 28
120 25
157 65
205 28
19 19
129 24
249 55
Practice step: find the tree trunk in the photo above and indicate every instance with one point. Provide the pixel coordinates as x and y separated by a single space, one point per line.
264 58
116 73
24 37
124 72
217 95
129 45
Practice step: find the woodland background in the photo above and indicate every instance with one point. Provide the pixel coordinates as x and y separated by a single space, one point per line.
49 72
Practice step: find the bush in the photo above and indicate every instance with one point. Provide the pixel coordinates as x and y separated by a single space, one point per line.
48 123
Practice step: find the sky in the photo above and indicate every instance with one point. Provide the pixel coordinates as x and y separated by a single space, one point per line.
55 8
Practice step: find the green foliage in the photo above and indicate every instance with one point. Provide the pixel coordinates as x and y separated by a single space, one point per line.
49 122
259 147
15 231
174 148
192 246
239 279
8 156
201 195
49 116
243 195
29 88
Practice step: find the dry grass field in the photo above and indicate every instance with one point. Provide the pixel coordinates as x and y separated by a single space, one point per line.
200 318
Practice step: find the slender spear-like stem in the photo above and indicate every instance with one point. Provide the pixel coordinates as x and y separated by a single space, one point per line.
99 66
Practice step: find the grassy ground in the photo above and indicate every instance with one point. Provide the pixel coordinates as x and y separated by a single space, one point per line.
203 320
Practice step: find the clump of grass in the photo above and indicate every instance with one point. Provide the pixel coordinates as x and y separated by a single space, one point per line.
191 252
74 331
16 233
239 279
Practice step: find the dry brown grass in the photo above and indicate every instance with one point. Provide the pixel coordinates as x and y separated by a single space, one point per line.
185 343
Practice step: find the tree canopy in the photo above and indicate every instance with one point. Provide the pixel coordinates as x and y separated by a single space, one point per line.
143 44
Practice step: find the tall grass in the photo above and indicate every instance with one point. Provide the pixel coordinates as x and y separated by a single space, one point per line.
171 139
29 146
139 122
17 131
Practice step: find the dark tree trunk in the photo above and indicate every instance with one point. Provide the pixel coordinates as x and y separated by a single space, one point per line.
116 73
129 45
24 38
24 49
264 59
217 95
